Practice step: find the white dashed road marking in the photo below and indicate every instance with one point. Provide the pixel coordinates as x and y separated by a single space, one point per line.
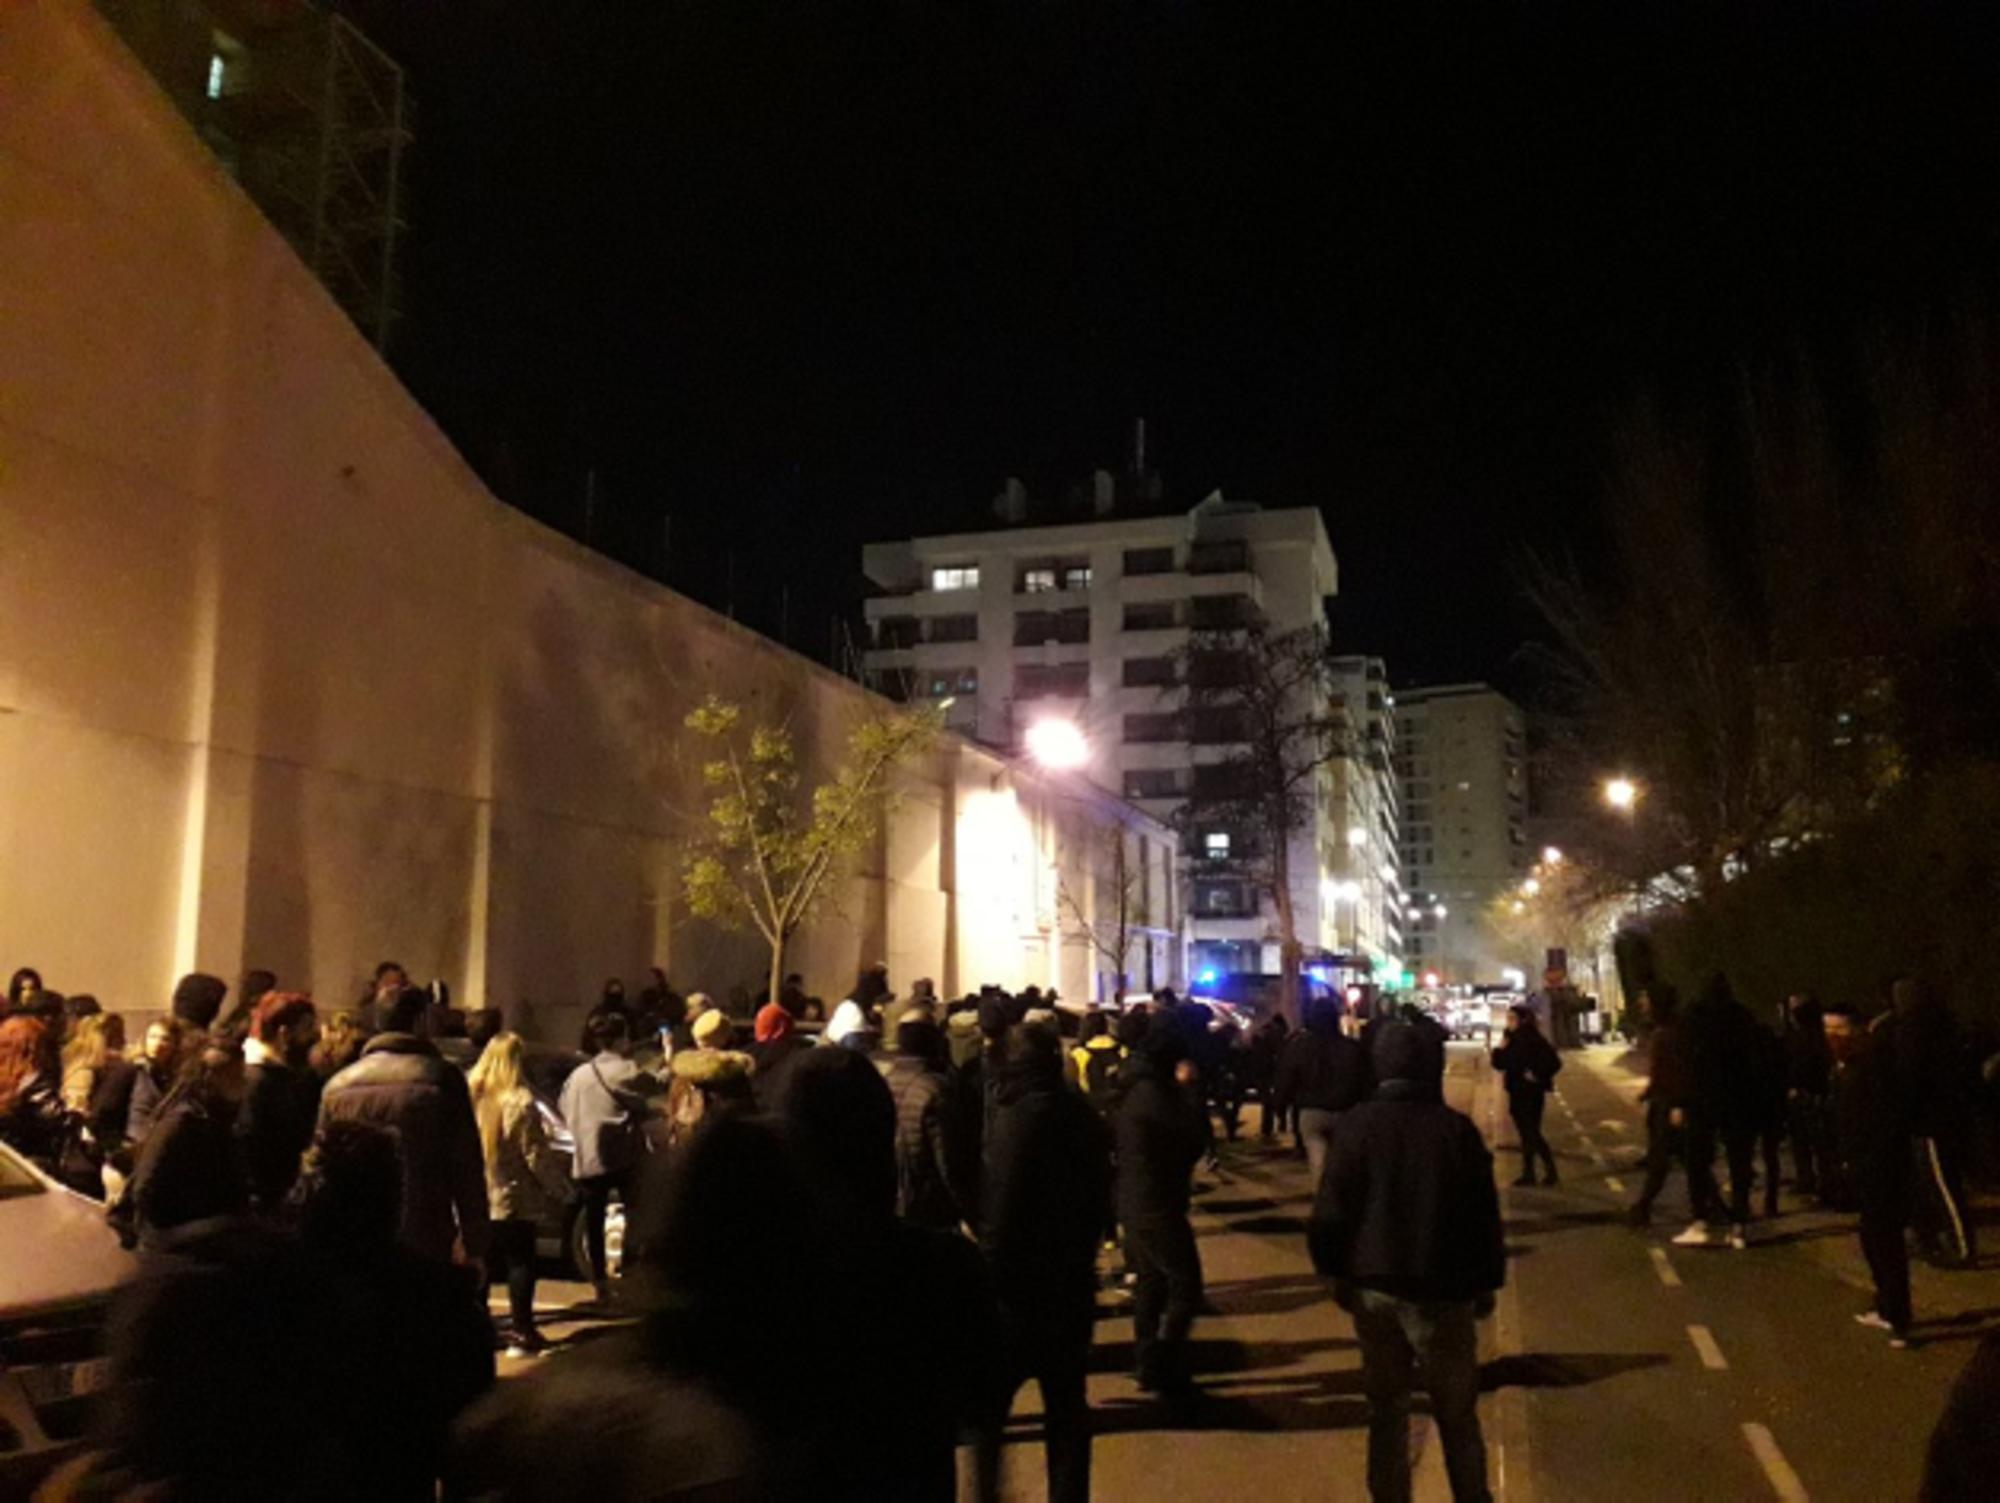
1711 1354
1784 1481
1664 1267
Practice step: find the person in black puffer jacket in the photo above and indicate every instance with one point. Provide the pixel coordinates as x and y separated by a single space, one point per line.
1161 1134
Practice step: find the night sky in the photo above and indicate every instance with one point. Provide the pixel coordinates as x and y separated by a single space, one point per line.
801 275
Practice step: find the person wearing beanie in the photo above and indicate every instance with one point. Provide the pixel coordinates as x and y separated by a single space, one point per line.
777 1040
707 1080
1406 1223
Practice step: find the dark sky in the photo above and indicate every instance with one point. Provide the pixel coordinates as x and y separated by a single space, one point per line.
804 274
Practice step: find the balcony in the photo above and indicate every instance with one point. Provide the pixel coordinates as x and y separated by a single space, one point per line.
1034 628
1223 612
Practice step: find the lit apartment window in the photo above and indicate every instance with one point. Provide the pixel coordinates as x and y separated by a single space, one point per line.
217 70
957 577
943 681
1076 577
1216 844
1037 581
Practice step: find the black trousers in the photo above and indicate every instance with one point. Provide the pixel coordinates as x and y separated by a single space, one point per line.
510 1260
1526 1108
1663 1151
1164 1256
1888 1253
1739 1146
1053 1348
597 1190
1810 1150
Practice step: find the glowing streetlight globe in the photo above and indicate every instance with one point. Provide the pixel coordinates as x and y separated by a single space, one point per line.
1058 744
1621 793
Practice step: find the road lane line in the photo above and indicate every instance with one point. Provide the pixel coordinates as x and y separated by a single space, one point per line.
1615 1185
1664 1267
1784 1481
1711 1354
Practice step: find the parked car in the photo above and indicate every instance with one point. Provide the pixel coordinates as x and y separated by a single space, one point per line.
60 1266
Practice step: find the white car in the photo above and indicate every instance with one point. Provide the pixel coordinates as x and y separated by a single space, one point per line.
60 1266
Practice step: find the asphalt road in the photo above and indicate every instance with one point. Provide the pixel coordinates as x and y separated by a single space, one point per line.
1618 1367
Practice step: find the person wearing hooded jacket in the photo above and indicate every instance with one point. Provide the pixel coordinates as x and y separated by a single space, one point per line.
1406 1223
933 1174
1046 1190
1725 1101
1161 1134
776 1040
280 1096
1321 1073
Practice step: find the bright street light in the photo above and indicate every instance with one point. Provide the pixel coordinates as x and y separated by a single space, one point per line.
1356 838
1440 910
1621 793
1058 744
1531 886
1551 856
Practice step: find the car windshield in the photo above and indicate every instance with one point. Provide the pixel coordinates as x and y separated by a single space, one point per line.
16 1178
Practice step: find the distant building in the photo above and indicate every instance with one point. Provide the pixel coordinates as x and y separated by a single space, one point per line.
1367 885
1462 756
1077 626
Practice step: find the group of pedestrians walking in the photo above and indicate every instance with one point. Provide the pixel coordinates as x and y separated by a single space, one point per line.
1877 1113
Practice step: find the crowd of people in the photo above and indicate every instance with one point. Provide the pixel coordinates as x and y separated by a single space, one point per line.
1878 1114
913 1199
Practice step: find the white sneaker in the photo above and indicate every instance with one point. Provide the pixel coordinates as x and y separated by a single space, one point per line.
1873 1320
1697 1235
1739 1237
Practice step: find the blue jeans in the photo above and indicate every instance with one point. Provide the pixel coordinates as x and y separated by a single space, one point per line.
1401 1338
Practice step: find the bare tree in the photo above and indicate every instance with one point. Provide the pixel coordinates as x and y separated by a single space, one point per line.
1104 904
1267 699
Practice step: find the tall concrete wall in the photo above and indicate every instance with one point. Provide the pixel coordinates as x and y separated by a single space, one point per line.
281 684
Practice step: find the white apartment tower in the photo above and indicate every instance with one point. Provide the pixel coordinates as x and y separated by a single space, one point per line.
1366 890
1078 625
1462 756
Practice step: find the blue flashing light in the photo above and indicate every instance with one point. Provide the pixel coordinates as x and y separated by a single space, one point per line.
1206 978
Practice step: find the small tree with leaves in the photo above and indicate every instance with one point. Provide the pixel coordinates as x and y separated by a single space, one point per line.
772 856
1104 905
1269 698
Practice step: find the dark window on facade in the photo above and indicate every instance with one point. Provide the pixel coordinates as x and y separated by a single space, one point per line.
1149 673
1152 728
1149 560
1220 612
897 631
1217 725
1152 782
1067 680
942 681
1224 899
1032 628
1219 558
954 628
1221 780
1215 670
1149 615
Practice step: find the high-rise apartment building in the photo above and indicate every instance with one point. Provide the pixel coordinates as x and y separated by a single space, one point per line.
1073 636
1462 756
1366 888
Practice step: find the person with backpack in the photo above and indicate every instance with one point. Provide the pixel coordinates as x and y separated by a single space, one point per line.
605 1102
707 1079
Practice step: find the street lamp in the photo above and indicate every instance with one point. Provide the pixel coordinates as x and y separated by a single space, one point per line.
1621 793
1058 744
1440 911
1531 886
1551 856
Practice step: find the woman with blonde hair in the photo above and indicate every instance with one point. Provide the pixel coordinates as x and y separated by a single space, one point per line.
525 1180
94 1043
